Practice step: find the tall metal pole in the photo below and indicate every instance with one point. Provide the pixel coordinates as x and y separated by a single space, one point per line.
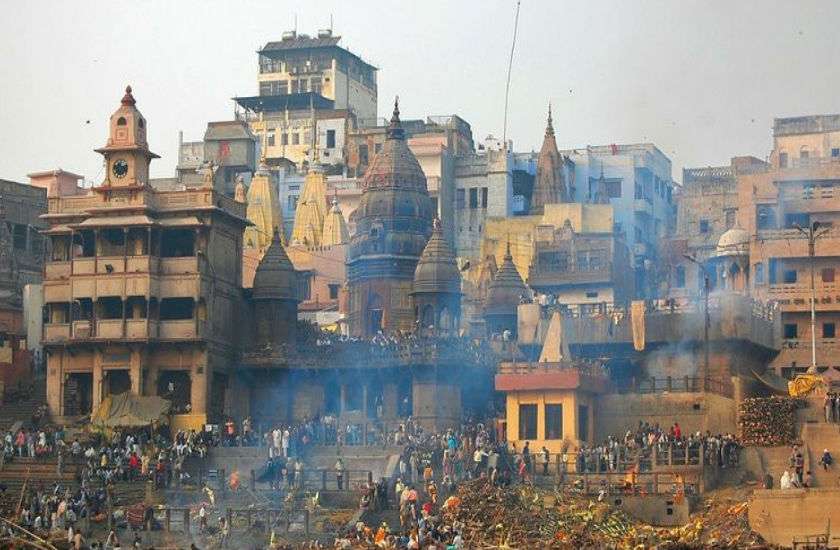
812 236
706 323
510 68
811 247
706 319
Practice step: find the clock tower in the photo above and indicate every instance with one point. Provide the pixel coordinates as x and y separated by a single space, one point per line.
127 154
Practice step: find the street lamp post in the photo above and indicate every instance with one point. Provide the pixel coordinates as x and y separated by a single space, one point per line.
812 235
706 319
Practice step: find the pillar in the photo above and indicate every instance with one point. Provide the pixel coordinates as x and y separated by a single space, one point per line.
135 373
98 380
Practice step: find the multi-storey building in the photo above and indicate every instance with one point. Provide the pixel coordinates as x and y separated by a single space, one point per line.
143 286
312 92
638 182
23 205
799 190
229 149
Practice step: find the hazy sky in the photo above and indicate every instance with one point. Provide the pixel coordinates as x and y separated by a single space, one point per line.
701 79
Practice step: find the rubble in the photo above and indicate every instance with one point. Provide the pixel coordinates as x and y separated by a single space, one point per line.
768 421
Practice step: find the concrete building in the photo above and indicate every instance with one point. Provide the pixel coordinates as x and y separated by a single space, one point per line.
312 92
640 188
797 190
142 289
23 205
228 147
707 207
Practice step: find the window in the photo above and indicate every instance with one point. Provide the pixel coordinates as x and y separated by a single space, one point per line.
460 198
330 139
835 152
730 218
783 160
797 219
270 139
527 422
554 421
618 228
828 330
484 197
789 276
803 153
173 309
377 147
582 261
121 121
827 275
583 422
292 200
284 138
474 197
680 276
333 291
295 138
759 274
766 217
591 294
704 226
790 330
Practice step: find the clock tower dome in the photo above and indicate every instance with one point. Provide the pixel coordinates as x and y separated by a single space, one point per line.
127 154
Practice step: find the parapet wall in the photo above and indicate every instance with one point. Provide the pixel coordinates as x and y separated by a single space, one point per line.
781 516
617 413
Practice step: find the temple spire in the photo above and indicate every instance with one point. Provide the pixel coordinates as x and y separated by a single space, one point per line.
549 127
395 129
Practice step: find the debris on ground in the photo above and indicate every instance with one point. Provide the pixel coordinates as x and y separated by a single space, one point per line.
525 517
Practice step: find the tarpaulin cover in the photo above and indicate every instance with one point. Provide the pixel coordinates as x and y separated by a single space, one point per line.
127 410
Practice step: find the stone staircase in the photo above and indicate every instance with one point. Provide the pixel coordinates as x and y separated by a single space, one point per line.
21 410
43 474
820 436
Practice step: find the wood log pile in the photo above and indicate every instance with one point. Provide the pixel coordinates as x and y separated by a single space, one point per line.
768 421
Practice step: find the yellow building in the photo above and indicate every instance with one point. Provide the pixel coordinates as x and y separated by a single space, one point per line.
523 231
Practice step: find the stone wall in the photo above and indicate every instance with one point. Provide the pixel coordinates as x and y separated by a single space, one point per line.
617 413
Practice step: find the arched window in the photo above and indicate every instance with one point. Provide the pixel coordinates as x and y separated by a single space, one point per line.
121 121
803 152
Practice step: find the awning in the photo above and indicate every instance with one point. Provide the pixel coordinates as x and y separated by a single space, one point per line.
187 221
57 230
115 221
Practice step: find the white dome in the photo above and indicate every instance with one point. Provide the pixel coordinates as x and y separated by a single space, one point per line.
734 242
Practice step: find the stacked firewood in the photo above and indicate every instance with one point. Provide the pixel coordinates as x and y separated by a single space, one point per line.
768 421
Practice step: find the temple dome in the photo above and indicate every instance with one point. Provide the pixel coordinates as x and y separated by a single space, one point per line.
275 278
437 270
506 290
734 242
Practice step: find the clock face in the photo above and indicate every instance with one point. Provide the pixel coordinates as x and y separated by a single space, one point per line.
120 168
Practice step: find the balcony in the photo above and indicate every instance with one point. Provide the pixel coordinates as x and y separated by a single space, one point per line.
57 332
57 270
139 329
84 266
109 329
547 277
178 266
797 296
810 198
54 293
181 329
642 206
81 329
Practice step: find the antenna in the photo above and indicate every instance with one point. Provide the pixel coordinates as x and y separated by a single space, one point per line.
510 67
331 24
295 23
